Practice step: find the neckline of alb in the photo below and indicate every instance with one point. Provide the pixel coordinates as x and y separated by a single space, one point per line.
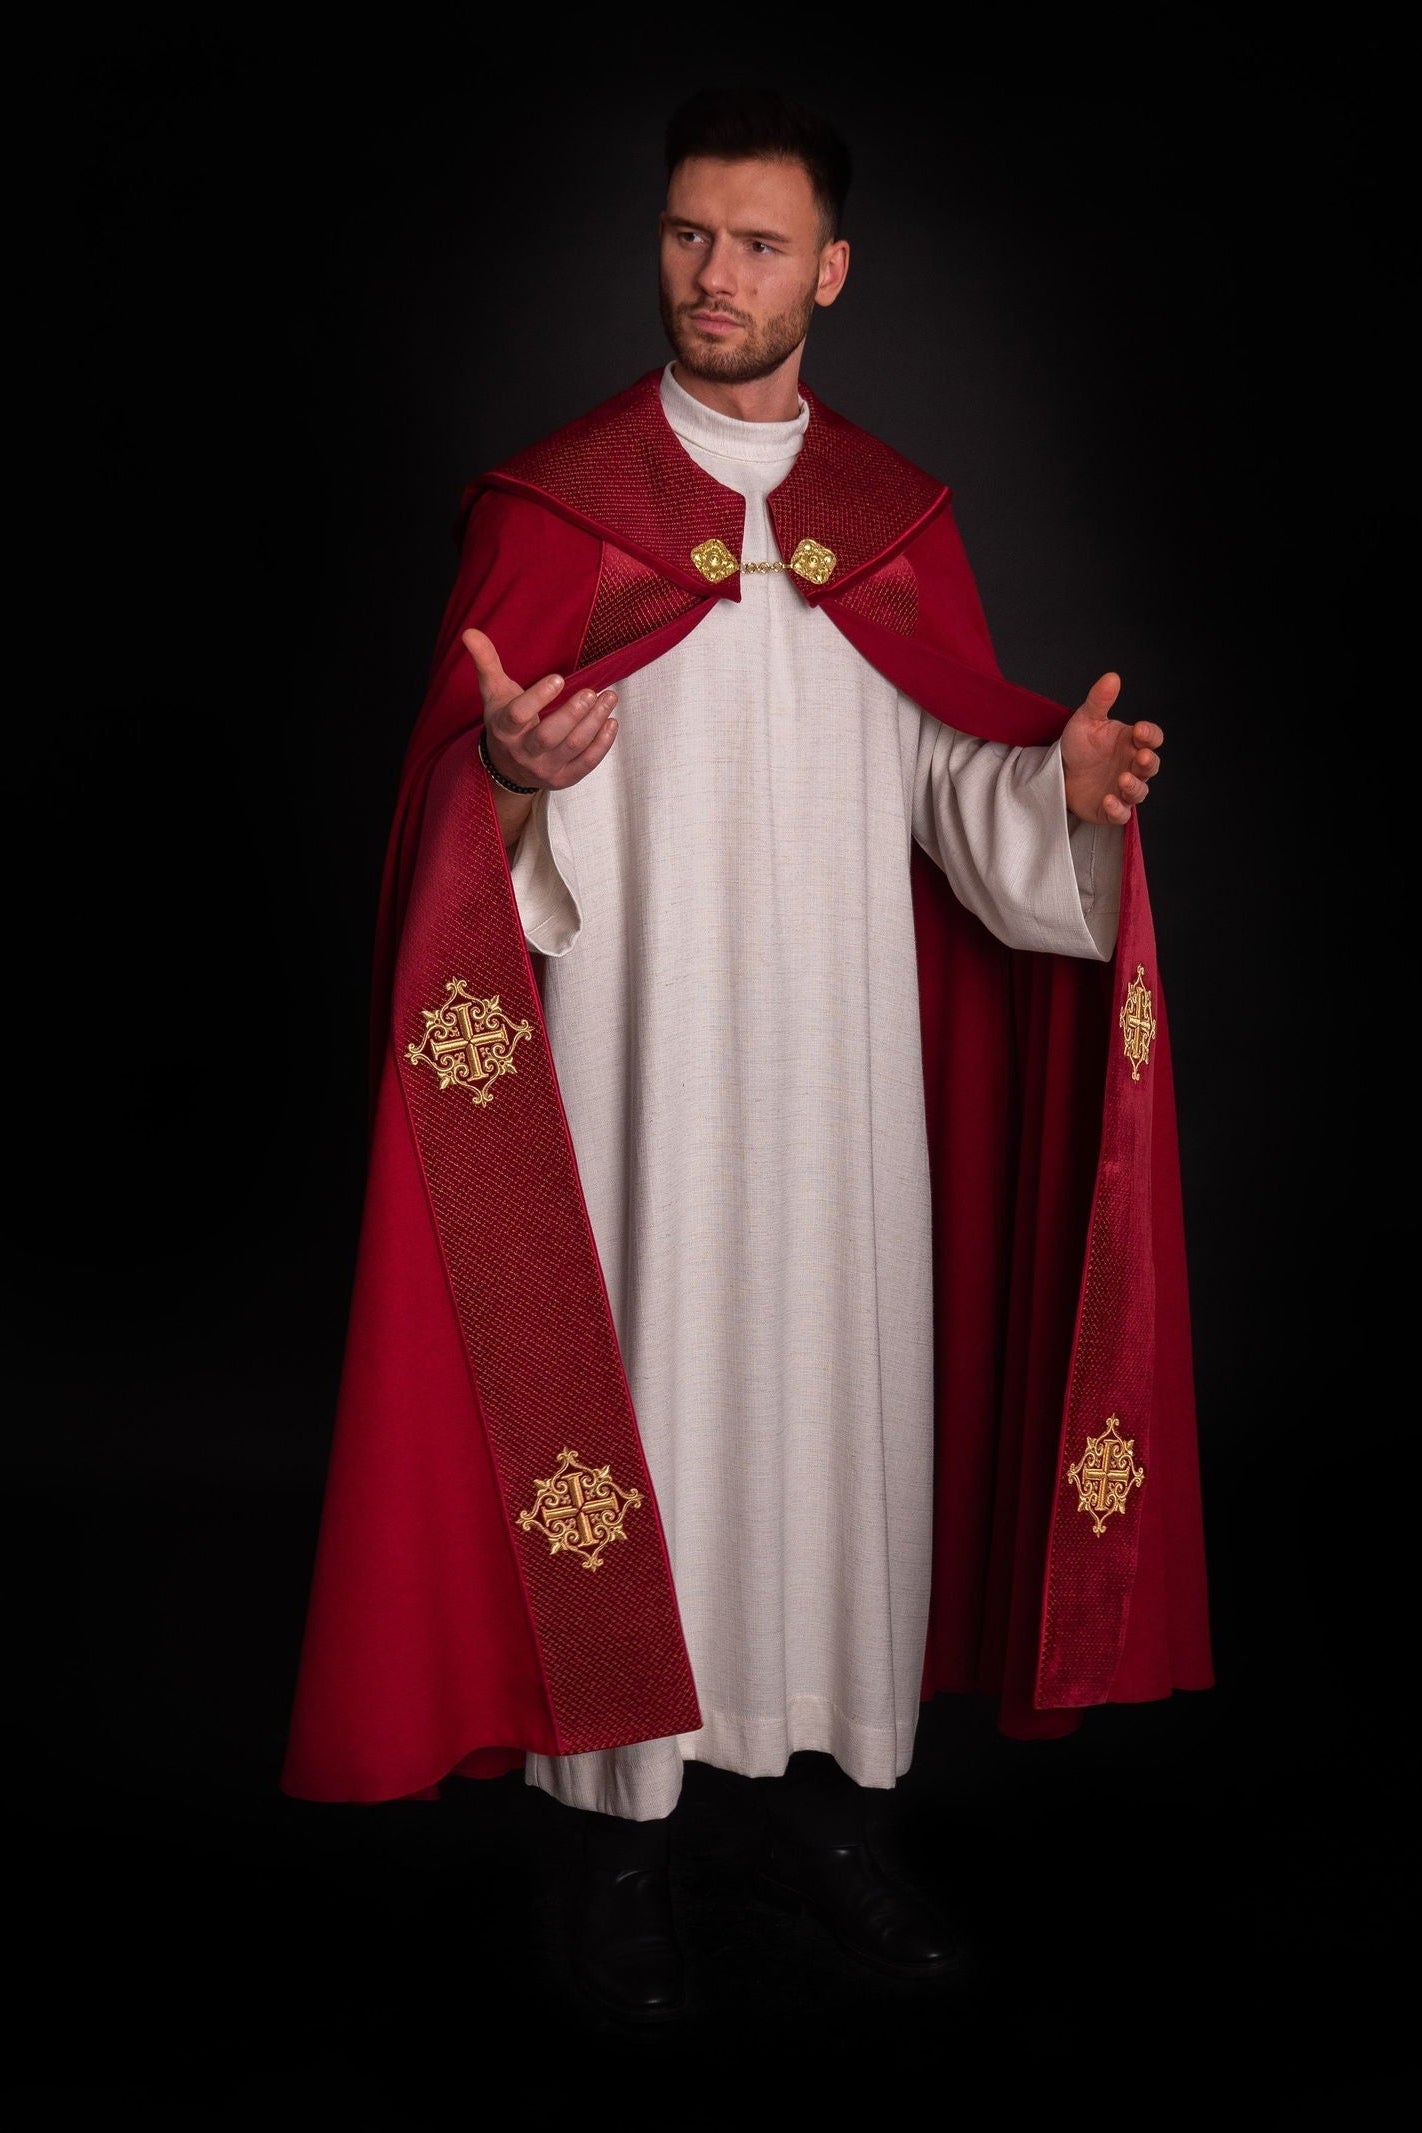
697 424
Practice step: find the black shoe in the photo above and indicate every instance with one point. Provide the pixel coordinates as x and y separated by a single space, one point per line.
818 1851
625 1948
873 1917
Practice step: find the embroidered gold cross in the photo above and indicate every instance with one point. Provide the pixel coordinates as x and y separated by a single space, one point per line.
1105 1474
468 1042
1137 1020
579 1509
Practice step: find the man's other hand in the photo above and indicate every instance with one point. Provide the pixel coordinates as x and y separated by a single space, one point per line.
1107 765
528 749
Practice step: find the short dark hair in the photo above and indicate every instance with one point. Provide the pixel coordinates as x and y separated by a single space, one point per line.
761 124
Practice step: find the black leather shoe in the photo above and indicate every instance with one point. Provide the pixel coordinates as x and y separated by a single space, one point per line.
871 1916
625 1947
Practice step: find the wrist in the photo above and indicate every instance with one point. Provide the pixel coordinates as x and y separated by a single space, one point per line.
501 779
513 811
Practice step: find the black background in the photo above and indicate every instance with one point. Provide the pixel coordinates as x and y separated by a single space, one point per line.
1137 304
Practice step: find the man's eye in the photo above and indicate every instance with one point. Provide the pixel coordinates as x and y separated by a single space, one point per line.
688 236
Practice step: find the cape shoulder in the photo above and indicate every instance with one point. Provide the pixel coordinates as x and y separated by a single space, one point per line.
619 472
578 560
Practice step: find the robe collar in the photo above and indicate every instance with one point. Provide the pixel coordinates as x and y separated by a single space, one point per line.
620 472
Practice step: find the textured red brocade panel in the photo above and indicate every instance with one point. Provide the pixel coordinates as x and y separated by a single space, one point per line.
1125 1613
524 1274
853 494
1059 1226
1091 1576
1168 1628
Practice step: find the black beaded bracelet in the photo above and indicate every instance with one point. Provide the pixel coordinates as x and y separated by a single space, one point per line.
498 776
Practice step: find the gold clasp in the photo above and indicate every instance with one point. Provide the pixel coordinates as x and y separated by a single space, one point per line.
810 561
715 561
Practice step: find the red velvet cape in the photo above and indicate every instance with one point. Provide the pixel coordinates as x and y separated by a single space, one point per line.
448 1629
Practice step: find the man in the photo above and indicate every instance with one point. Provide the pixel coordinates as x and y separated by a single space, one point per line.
771 1296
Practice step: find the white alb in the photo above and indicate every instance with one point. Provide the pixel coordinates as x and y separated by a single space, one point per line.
732 1003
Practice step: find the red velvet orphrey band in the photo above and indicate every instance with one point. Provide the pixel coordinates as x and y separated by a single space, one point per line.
491 1575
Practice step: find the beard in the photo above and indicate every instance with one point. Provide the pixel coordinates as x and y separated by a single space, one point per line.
761 349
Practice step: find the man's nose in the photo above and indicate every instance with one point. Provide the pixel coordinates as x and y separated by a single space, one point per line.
716 274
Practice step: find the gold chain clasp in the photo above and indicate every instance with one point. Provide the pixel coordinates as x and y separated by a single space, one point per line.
811 561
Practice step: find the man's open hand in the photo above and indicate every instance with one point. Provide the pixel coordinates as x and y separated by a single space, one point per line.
1107 765
551 752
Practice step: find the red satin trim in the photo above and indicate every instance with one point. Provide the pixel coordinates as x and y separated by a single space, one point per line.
632 601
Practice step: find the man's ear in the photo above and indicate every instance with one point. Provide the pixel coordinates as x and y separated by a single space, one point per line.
834 267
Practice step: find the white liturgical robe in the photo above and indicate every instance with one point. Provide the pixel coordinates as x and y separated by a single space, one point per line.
732 1002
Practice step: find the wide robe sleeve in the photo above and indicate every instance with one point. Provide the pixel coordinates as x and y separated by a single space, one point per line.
545 881
994 819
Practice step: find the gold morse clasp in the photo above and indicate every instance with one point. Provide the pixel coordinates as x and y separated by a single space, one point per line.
811 561
714 560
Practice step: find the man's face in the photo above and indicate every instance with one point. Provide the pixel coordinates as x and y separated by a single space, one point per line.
744 263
